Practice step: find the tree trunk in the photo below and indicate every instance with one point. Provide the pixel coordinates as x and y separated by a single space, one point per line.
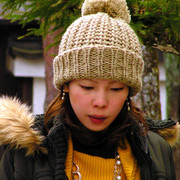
148 99
150 90
172 65
176 156
51 91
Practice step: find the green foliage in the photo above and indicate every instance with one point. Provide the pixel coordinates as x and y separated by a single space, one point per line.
51 15
157 22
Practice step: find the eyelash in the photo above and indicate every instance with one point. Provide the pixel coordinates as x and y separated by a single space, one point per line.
87 87
116 89
90 88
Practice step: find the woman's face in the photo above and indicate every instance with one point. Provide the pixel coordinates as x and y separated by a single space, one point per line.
97 102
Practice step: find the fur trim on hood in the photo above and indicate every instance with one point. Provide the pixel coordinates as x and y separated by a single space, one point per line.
168 129
16 123
171 134
16 127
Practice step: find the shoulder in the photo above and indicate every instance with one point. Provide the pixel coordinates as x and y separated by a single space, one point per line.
12 161
15 164
160 151
155 140
161 156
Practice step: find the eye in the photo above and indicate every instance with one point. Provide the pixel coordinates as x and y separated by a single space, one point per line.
87 87
116 89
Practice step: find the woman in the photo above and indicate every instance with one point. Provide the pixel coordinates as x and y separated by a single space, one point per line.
91 130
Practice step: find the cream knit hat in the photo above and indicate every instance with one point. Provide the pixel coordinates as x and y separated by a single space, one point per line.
100 44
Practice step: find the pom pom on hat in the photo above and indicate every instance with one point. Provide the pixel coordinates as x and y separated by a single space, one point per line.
114 8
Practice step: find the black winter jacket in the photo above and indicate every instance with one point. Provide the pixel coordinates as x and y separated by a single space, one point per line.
39 156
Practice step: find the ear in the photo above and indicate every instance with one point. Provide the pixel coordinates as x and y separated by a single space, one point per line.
66 88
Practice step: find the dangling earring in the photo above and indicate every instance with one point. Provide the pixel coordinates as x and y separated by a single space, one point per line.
63 94
128 105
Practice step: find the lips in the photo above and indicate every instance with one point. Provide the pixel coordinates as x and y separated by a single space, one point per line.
97 119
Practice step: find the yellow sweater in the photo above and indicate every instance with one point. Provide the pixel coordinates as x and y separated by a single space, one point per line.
97 168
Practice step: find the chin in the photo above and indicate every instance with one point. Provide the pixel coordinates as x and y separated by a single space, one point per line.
96 129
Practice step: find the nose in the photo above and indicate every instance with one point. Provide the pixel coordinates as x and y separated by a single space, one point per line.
100 99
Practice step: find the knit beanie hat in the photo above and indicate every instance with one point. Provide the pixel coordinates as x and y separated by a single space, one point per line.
100 44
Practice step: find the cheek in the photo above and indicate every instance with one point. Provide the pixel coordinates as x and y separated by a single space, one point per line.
73 98
117 105
78 101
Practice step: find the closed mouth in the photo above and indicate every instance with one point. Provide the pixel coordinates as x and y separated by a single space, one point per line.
98 116
97 119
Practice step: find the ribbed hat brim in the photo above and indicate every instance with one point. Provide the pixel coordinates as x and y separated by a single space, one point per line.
99 62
